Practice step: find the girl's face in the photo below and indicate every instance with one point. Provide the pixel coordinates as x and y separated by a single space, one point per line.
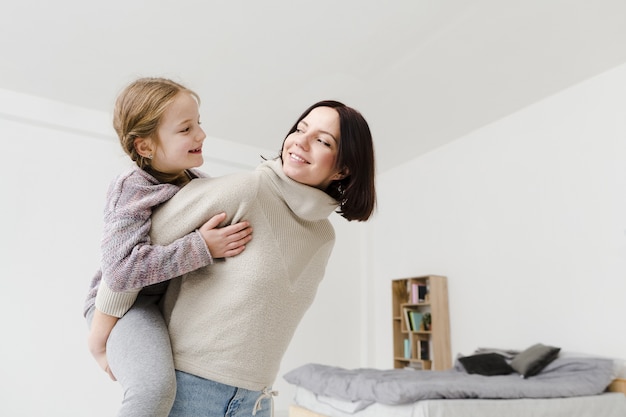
180 137
309 154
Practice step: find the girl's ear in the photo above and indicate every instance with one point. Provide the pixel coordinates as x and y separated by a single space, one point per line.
144 147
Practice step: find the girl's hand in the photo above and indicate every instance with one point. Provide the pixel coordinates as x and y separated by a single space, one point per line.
99 352
226 241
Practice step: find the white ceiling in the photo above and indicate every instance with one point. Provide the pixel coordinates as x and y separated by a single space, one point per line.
423 72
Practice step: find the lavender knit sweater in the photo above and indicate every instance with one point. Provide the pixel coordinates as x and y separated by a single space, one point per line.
130 261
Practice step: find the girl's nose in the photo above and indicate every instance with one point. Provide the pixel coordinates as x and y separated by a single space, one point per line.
201 135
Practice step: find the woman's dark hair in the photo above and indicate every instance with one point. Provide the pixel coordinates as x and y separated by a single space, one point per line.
355 193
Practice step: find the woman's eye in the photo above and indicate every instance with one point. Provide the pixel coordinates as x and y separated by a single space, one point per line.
322 141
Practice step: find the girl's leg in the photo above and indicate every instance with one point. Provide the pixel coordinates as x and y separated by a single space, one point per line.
197 396
140 357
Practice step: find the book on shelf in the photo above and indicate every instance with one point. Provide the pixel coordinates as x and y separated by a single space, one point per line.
422 290
414 298
413 320
407 319
417 293
424 349
416 320
407 349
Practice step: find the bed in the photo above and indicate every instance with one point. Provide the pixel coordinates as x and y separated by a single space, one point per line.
563 386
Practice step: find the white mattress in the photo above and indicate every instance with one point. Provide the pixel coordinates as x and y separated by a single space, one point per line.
604 405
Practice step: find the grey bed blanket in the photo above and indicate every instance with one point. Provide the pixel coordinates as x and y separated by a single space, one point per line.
564 377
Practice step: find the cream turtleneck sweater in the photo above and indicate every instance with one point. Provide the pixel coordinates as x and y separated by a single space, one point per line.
231 322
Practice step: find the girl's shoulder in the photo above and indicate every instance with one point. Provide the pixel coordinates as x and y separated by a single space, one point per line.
134 177
137 188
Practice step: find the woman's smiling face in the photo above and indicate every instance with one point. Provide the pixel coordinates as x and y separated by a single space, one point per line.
310 153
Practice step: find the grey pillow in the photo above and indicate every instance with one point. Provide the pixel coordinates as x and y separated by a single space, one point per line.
532 360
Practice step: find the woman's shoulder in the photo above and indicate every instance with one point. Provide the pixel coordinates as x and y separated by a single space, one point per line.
247 179
236 185
232 193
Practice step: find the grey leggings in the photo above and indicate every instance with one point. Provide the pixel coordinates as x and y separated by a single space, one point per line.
140 357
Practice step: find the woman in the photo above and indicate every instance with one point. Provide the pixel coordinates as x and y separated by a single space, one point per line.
231 323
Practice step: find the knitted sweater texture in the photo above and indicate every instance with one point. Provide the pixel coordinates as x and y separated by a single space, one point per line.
232 322
130 261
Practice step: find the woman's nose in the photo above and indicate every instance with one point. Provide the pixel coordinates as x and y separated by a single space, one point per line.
302 141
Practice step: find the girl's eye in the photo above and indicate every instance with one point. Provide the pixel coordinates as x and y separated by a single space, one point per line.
185 130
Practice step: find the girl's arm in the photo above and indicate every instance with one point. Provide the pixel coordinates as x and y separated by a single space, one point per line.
227 241
130 217
129 259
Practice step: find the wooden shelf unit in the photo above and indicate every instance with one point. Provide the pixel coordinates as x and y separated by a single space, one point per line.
409 344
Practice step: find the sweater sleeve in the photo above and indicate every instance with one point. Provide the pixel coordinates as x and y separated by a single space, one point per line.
130 261
114 303
201 199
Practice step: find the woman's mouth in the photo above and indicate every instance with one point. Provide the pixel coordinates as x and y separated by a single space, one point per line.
298 158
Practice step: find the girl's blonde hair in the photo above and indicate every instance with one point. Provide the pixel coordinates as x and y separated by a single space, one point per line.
138 111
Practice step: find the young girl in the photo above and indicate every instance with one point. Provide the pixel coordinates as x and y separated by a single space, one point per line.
157 121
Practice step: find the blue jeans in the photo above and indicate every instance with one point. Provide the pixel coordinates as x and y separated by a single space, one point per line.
199 397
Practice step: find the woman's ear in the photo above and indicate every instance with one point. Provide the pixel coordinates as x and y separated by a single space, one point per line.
144 147
341 174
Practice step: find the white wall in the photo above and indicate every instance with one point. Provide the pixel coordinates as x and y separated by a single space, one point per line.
526 217
57 161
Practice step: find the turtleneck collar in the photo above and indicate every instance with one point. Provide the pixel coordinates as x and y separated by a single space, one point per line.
308 203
